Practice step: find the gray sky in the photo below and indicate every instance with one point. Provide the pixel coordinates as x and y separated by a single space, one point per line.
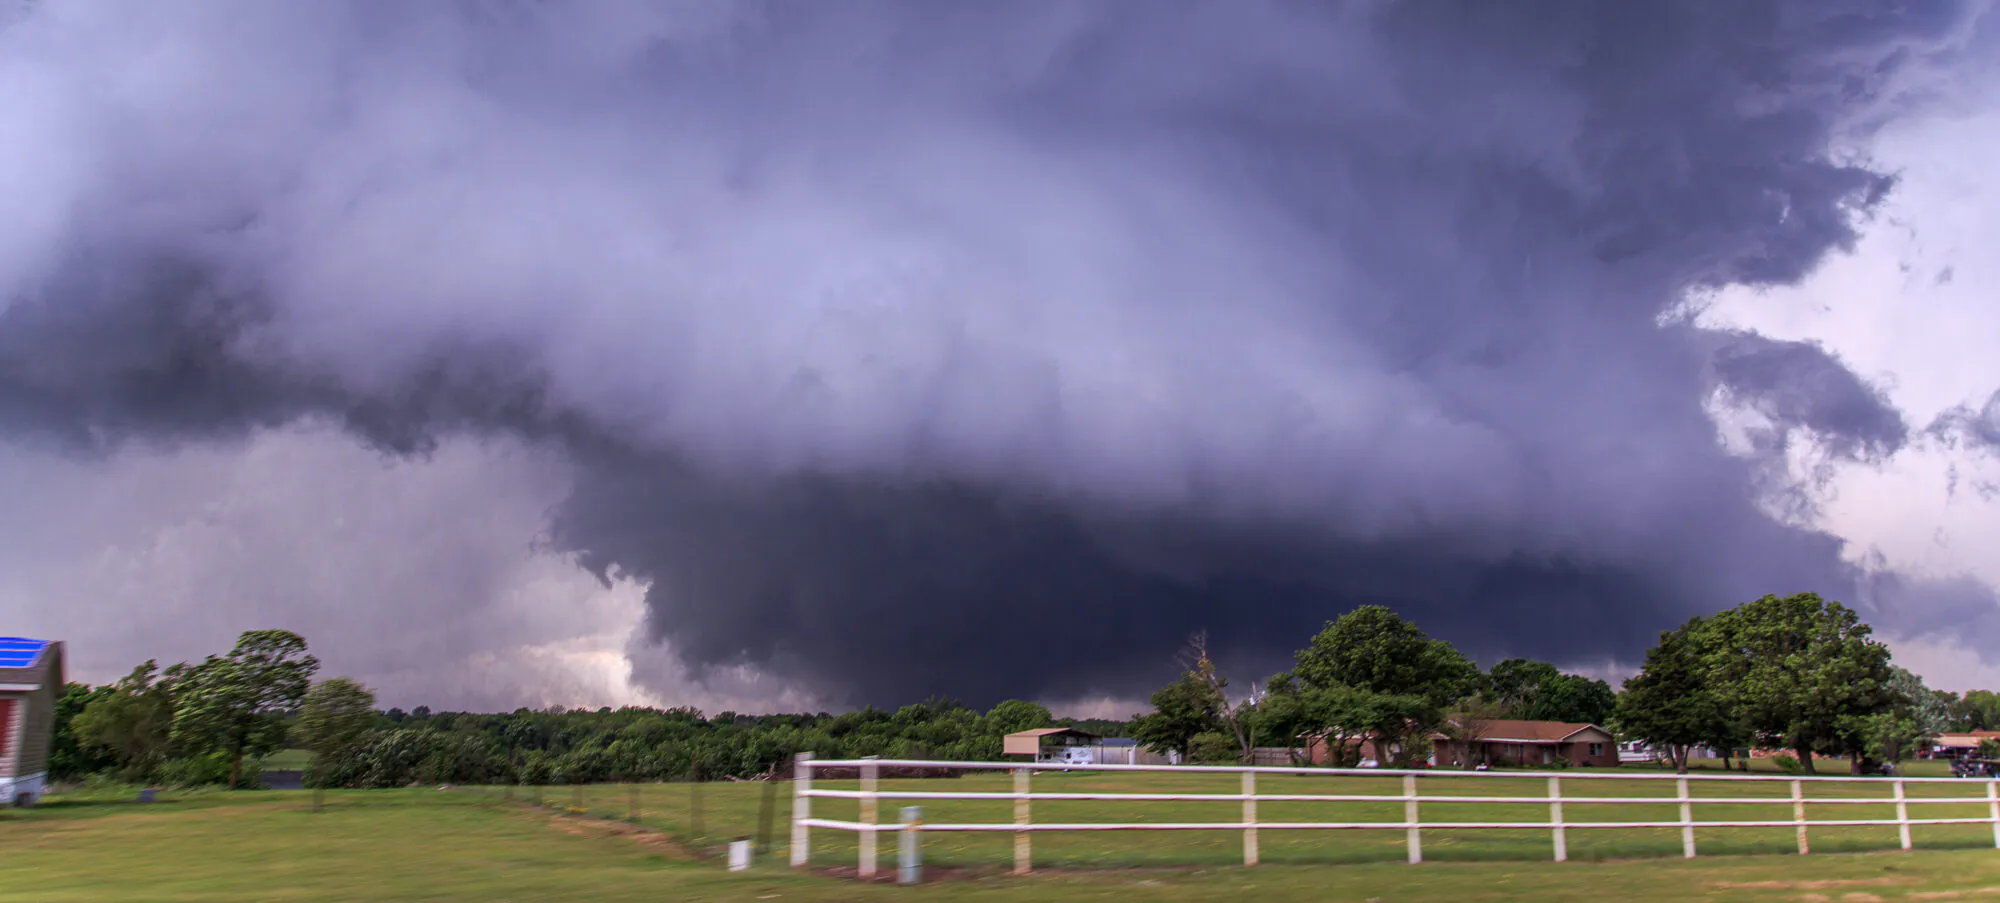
759 356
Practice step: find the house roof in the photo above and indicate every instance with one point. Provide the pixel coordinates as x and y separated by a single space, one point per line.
1048 731
1511 731
20 652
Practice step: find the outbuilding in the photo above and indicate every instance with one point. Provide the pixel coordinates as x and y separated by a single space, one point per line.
1051 744
31 680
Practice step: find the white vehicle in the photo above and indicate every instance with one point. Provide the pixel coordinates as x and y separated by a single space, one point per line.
1072 755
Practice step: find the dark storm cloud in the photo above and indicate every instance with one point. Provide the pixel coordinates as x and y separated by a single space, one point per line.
1799 385
989 348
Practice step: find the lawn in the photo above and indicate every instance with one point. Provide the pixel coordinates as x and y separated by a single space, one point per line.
437 845
288 760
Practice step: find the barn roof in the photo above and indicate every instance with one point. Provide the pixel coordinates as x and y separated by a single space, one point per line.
1047 731
20 652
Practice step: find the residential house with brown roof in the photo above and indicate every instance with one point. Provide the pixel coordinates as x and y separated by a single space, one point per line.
1500 742
1531 743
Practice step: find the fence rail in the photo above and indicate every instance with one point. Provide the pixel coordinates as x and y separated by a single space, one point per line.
912 826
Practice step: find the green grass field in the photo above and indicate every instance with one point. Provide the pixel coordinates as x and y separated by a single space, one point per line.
437 845
288 760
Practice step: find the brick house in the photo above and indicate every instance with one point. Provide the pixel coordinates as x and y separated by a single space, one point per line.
1502 742
31 680
1533 743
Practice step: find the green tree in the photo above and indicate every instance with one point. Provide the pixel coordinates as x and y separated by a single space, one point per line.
1889 736
1014 715
69 757
1212 748
236 704
1470 722
1977 710
1512 683
1671 703
1182 710
1372 649
1803 671
1338 717
1572 698
134 722
1929 713
335 715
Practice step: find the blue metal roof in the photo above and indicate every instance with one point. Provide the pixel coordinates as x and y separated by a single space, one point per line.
20 652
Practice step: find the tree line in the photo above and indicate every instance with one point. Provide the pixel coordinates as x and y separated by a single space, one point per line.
1798 673
210 723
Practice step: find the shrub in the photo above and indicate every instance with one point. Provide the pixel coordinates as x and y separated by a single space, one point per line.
1212 748
1787 763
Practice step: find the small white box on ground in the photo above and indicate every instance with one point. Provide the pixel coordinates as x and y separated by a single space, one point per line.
739 855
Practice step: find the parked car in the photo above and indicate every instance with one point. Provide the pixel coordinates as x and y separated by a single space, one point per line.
1975 768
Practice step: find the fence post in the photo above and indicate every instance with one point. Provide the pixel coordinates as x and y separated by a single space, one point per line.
1414 841
910 861
1993 809
1687 819
1902 815
1249 818
767 809
1799 815
1556 818
697 821
869 770
1023 853
802 781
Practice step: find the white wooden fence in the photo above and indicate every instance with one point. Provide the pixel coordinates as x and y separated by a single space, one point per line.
1023 826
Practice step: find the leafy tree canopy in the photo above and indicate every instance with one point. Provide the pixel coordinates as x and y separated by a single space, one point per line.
1371 648
236 704
1182 710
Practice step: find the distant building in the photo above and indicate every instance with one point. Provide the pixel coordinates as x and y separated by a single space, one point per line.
1052 744
31 680
1958 745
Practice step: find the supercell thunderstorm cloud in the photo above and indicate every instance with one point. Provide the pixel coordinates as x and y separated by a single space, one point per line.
989 349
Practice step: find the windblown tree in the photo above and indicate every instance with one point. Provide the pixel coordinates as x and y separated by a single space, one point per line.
133 722
1914 712
69 756
236 703
334 717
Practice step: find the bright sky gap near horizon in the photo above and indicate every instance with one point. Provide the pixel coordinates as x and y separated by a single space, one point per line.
758 357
